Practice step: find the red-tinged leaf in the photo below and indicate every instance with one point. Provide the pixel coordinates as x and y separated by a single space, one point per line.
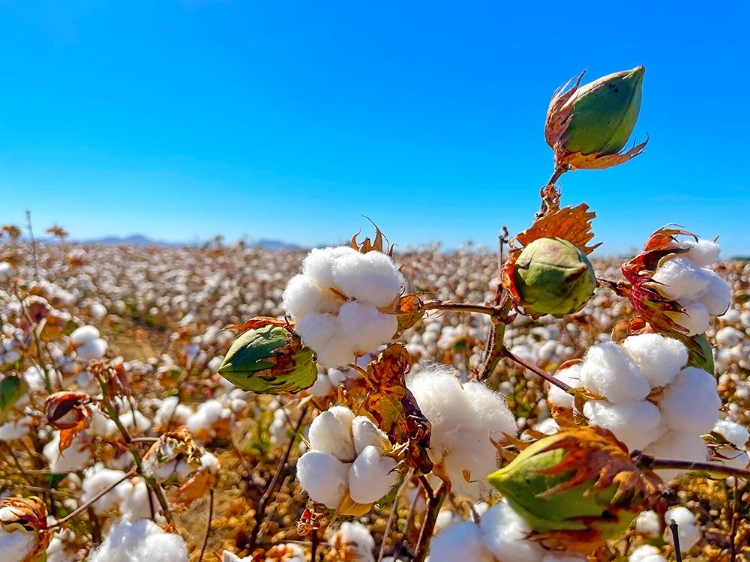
409 311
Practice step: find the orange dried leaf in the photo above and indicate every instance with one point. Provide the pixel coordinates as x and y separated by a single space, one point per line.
569 223
598 162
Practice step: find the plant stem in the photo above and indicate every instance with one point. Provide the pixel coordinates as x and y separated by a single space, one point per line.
459 307
536 370
675 539
650 463
434 503
493 353
559 171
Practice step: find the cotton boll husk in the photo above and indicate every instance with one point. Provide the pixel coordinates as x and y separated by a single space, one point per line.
636 424
17 545
302 297
141 541
647 523
703 252
331 432
733 432
570 376
462 542
371 476
717 296
691 403
646 553
680 278
503 534
84 335
370 278
608 371
688 532
323 477
318 265
695 319
658 358
674 445
367 434
365 326
322 332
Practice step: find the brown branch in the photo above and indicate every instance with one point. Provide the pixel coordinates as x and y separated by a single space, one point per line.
536 370
675 539
650 463
428 527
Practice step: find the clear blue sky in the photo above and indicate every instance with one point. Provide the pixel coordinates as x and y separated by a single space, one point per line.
292 119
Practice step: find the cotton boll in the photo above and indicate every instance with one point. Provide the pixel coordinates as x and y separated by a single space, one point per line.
460 542
503 534
331 432
688 532
674 445
646 553
371 476
691 403
136 500
733 432
94 349
13 430
703 252
729 337
302 297
370 278
367 434
322 332
647 523
608 370
97 479
717 296
636 424
570 376
365 326
16 545
98 311
727 456
141 541
323 477
658 358
84 335
695 319
353 542
318 265
679 278
75 457
322 386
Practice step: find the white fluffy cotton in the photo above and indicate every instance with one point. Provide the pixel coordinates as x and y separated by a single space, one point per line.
658 357
371 475
367 434
646 553
679 277
636 424
695 319
691 403
733 432
570 376
609 371
460 542
140 541
647 523
16 544
354 542
323 477
703 253
331 432
504 533
83 335
674 445
464 418
687 531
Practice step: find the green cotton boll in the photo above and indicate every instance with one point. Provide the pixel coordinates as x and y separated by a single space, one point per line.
553 276
604 113
270 359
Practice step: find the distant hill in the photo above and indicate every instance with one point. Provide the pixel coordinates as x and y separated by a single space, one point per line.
141 240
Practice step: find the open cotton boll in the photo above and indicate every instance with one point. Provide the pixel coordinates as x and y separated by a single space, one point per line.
658 357
322 332
717 296
608 371
733 432
729 336
13 430
371 278
636 424
646 553
331 432
365 326
16 545
97 479
367 434
703 252
94 349
695 319
687 531
84 335
647 523
353 542
318 264
679 278
371 476
503 534
136 500
141 541
463 418
570 376
302 297
677 446
75 457
459 542
323 477
691 403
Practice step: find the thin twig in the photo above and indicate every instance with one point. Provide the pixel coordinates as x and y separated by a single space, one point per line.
650 463
267 495
208 525
493 353
734 510
392 516
428 526
675 540
536 370
314 540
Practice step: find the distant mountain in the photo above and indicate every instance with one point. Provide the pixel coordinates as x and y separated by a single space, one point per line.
273 245
141 240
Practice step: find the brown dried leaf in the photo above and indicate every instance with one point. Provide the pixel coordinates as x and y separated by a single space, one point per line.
594 161
371 246
569 223
557 114
259 322
409 311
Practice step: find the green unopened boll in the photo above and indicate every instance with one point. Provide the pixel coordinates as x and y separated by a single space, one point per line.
553 276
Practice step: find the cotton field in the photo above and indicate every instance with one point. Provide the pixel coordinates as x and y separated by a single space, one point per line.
122 441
